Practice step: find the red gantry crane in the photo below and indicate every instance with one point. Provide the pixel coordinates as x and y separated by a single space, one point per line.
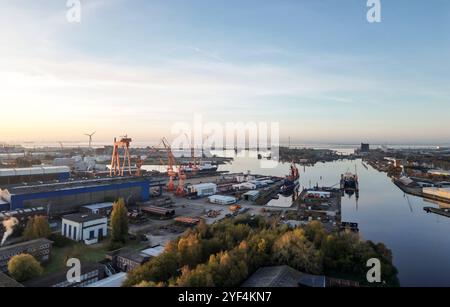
170 165
193 164
116 167
172 173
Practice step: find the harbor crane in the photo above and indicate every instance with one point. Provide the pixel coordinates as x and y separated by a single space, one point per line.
171 172
118 168
170 165
193 164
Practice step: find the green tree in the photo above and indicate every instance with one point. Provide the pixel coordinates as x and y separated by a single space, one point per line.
119 222
37 227
24 267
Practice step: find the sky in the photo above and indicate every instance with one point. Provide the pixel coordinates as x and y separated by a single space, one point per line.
316 67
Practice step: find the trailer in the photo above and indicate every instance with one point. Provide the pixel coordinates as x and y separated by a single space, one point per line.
158 211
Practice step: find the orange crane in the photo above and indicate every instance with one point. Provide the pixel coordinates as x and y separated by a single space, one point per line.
139 163
170 165
180 192
193 164
116 167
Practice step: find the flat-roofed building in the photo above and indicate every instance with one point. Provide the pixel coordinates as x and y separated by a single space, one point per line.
101 208
8 282
222 200
90 273
86 227
39 249
10 176
68 197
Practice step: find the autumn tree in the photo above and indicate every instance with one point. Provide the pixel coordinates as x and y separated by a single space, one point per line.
37 227
294 249
24 267
158 269
189 250
119 222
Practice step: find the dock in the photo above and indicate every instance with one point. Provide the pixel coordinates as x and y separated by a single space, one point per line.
443 212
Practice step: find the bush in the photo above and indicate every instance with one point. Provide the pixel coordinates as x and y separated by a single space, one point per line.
23 267
59 240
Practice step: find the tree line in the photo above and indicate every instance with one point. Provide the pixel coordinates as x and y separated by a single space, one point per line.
226 253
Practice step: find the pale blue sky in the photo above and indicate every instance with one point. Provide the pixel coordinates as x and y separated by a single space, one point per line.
315 66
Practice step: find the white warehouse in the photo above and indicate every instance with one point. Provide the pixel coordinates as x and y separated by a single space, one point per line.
222 200
86 227
203 189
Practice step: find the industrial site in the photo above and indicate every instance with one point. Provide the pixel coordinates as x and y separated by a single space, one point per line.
210 150
75 189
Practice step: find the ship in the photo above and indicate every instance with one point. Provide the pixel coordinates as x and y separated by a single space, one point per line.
349 183
291 182
203 167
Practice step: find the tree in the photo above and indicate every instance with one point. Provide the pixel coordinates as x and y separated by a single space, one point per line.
158 269
293 249
189 250
119 222
23 267
37 227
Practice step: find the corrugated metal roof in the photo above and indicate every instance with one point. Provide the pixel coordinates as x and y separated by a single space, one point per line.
154 251
221 197
204 185
28 171
114 281
274 276
98 206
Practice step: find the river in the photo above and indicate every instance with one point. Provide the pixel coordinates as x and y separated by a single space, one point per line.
420 242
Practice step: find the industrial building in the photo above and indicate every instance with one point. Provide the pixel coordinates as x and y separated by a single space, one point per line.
113 281
127 259
102 208
9 176
22 216
251 195
8 282
287 277
90 274
222 200
202 189
39 249
68 197
87 227
365 147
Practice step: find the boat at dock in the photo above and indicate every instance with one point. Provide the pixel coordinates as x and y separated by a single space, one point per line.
291 182
205 167
349 183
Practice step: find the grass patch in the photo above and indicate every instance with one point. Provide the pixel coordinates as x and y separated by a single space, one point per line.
86 254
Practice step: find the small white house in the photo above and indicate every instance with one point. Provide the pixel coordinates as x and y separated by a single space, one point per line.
86 227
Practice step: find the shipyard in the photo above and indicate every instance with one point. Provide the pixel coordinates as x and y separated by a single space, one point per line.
184 146
74 187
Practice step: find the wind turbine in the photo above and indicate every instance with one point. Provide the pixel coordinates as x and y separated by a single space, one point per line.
90 137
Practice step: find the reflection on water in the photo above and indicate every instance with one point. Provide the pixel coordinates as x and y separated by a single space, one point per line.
420 242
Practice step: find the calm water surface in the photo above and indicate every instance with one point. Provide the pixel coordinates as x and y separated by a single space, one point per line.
420 242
